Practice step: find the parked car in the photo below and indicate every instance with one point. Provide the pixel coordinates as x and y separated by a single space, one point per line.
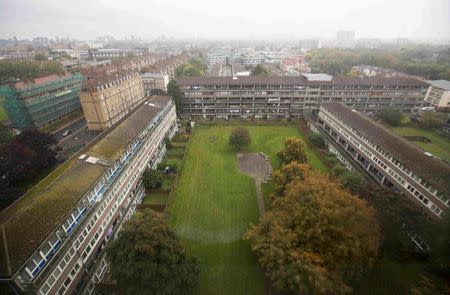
67 132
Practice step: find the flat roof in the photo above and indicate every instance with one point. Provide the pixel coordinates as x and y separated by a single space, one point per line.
433 170
299 81
443 84
152 75
27 222
318 77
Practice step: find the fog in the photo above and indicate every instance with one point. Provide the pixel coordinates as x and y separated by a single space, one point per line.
237 19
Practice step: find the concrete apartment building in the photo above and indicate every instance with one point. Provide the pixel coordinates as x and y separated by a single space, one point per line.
283 97
154 81
52 239
438 95
107 97
386 157
42 101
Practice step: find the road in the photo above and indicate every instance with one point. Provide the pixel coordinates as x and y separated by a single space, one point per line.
74 126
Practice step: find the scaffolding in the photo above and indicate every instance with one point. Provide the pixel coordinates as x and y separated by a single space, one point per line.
37 105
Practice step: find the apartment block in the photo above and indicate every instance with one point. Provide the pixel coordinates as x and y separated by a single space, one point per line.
283 97
43 100
387 158
438 95
52 239
108 95
154 81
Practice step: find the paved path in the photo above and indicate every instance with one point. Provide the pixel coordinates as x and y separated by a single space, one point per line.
258 167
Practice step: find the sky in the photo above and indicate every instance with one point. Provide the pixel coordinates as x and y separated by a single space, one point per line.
226 19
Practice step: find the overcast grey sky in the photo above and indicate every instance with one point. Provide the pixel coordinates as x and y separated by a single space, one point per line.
86 19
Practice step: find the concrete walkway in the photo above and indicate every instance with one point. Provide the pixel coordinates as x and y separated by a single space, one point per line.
257 166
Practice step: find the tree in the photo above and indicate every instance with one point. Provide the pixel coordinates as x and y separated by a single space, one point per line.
431 120
152 179
288 173
294 150
315 237
173 90
148 258
194 67
259 70
239 138
317 140
352 181
5 134
40 57
392 117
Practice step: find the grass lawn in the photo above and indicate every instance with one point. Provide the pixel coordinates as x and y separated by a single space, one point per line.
213 204
439 145
3 114
158 198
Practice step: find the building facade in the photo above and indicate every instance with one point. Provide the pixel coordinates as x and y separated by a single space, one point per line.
55 245
387 158
154 81
108 97
283 97
438 95
42 101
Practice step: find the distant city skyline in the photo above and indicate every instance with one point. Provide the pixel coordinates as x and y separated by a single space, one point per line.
243 19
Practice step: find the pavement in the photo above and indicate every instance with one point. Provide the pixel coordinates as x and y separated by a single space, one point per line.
257 166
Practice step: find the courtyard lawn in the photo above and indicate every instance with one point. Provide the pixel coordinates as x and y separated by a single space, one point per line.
3 114
439 145
158 198
213 204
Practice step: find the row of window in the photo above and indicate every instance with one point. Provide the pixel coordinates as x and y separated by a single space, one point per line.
89 226
389 157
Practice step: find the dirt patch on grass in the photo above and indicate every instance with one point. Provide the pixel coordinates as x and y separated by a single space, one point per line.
255 165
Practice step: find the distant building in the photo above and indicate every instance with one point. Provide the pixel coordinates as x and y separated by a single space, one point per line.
285 96
53 238
386 157
43 100
154 81
107 97
438 94
345 38
294 63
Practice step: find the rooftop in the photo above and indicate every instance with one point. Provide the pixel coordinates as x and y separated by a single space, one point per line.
433 170
443 84
39 81
318 77
300 80
27 222
152 75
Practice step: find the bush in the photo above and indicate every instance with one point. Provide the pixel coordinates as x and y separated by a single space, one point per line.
317 140
239 138
152 179
391 117
431 120
294 150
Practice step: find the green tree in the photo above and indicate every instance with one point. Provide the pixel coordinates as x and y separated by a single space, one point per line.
173 90
315 237
259 70
294 150
194 67
317 140
391 117
152 179
148 258
5 134
40 57
239 138
352 181
431 120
